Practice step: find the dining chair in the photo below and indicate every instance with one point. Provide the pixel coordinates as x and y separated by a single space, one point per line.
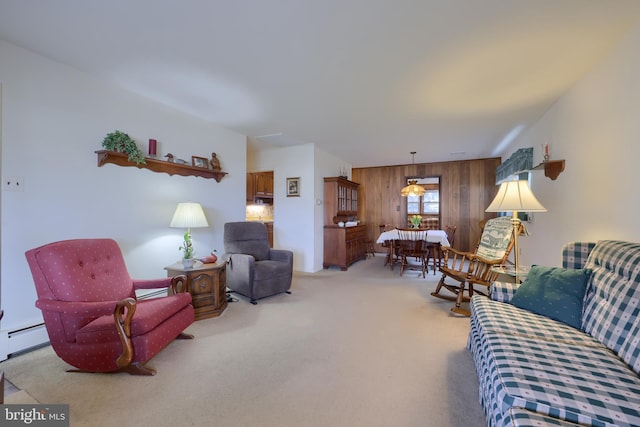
435 254
388 245
412 245
430 224
450 231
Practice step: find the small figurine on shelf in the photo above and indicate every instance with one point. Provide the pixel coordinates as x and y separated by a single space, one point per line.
215 162
172 159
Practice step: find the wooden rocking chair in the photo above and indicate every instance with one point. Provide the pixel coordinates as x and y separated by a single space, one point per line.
475 268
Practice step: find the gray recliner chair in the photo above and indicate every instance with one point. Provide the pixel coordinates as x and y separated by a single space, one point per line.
254 269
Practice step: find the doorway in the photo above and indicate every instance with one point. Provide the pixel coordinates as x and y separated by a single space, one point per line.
426 206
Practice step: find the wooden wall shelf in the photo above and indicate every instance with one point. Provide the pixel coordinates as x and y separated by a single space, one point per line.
552 168
122 159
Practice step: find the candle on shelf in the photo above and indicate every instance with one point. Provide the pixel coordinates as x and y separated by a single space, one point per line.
546 152
152 147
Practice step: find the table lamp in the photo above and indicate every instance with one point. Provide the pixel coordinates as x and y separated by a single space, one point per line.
514 196
188 215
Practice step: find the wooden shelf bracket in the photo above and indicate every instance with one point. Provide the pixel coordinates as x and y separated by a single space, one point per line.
552 168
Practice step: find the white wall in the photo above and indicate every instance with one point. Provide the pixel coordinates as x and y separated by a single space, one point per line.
596 127
54 118
299 221
292 216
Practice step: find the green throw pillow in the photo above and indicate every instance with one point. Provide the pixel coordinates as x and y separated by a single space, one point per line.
554 292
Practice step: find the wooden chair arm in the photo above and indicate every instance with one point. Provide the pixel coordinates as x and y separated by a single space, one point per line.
123 316
448 249
178 284
481 270
491 262
454 260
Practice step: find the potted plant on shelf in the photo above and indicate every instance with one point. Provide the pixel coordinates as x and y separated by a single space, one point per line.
123 143
187 251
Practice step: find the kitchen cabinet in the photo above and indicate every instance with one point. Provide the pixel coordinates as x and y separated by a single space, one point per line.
259 186
264 184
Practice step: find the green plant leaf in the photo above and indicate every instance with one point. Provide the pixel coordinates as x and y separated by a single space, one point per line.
123 143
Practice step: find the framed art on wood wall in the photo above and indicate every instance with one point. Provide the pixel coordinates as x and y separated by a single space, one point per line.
293 187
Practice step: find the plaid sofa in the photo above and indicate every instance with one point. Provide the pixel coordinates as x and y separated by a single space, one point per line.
535 371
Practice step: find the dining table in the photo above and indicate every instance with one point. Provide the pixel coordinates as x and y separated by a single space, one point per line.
433 236
438 238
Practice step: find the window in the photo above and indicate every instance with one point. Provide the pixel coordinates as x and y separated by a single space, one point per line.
431 202
413 205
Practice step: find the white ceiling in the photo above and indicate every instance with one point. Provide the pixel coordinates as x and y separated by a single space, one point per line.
367 80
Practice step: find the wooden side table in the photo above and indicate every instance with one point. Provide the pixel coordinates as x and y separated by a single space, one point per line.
207 284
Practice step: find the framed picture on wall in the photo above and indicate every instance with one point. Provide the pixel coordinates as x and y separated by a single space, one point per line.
293 187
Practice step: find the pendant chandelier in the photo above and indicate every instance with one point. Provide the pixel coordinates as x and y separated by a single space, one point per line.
413 189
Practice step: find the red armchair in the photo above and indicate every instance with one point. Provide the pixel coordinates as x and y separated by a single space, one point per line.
92 316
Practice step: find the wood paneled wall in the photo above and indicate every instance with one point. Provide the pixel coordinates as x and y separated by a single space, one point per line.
466 189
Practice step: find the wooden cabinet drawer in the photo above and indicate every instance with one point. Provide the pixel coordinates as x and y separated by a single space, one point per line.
202 301
343 245
201 284
353 233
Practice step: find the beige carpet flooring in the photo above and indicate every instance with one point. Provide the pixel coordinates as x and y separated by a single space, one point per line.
364 347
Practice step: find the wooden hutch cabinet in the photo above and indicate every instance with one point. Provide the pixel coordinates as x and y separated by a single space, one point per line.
342 245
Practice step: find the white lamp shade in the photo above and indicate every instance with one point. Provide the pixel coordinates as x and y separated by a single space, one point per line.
515 196
189 215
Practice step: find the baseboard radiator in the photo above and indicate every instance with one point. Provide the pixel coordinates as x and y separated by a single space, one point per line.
22 339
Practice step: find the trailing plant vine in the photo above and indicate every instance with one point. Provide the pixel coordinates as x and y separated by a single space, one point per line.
123 143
